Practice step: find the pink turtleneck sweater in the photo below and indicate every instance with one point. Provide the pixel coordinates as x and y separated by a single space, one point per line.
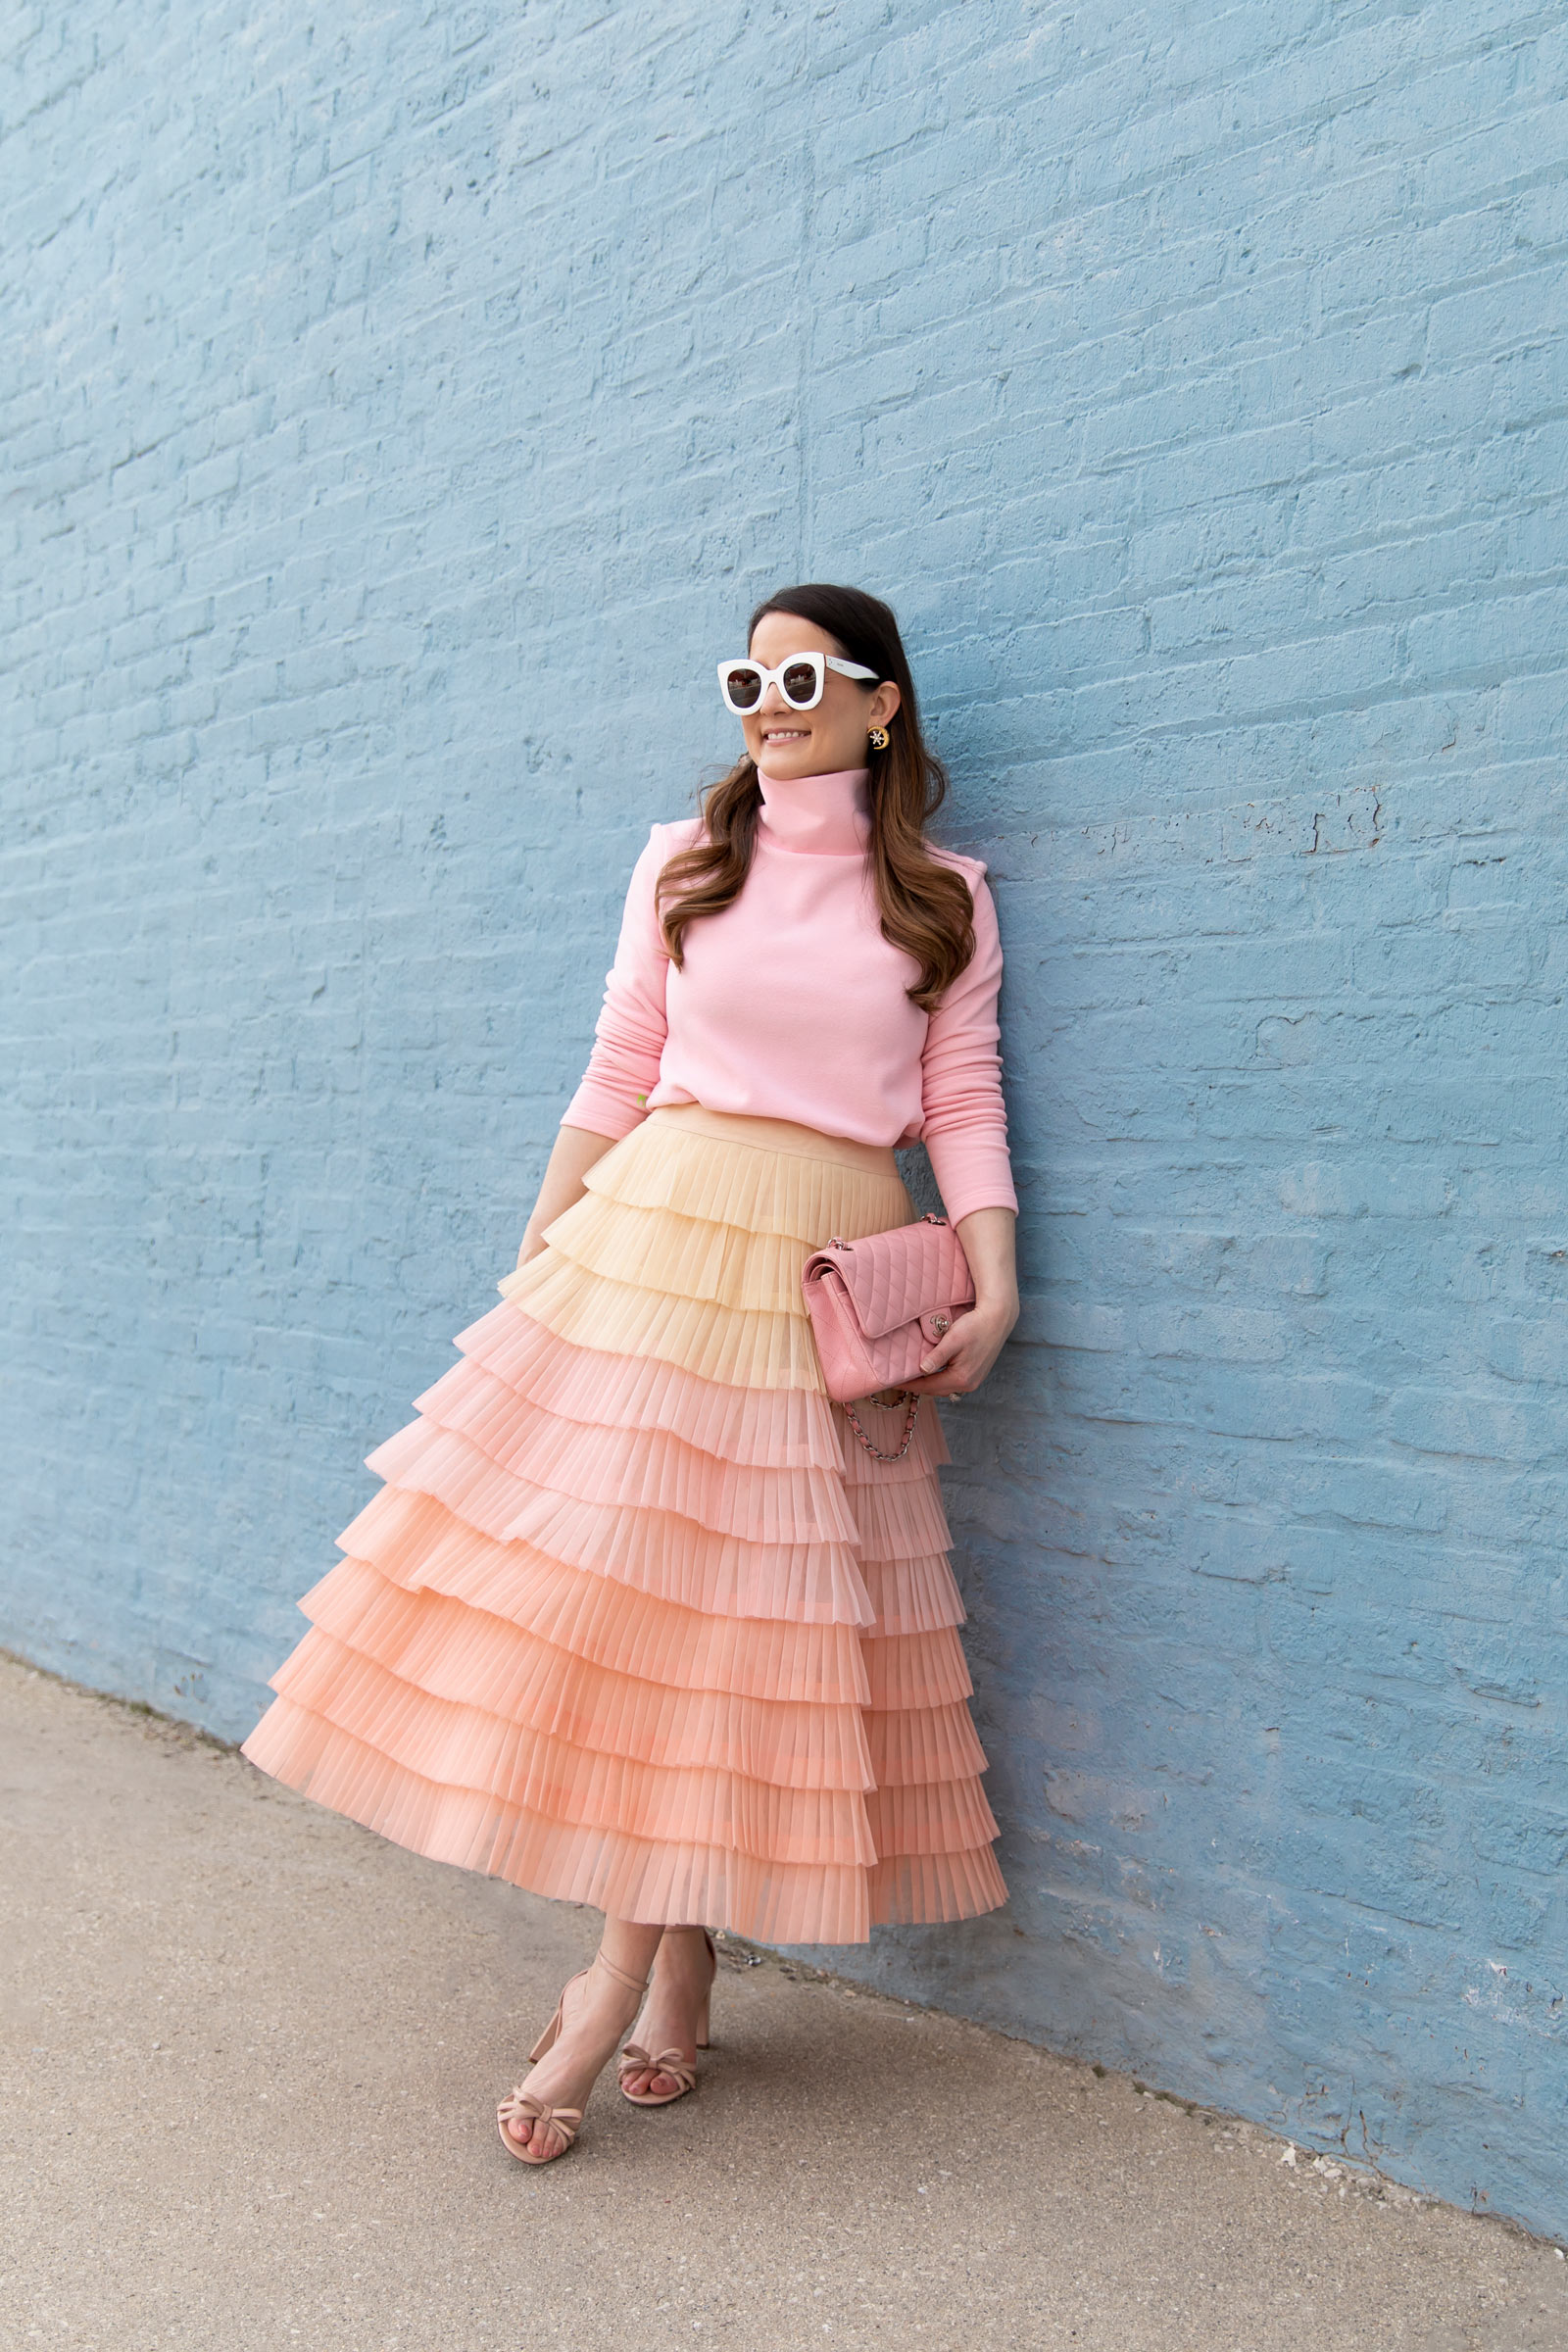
791 1004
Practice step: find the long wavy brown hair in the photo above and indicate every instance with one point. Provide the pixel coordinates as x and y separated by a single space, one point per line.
925 906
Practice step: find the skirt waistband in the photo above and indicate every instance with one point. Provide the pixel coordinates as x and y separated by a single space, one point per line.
776 1135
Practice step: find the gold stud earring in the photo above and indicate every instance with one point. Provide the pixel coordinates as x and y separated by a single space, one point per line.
878 738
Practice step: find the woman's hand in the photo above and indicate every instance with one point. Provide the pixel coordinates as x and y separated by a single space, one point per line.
956 1364
572 1154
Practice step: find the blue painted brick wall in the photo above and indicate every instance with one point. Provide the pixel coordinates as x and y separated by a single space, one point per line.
399 409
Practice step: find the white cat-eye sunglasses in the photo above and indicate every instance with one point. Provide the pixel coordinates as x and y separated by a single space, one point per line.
800 680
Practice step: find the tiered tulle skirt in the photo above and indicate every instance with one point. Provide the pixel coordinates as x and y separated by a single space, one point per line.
634 1620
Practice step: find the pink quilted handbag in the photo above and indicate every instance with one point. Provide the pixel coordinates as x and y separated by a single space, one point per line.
877 1304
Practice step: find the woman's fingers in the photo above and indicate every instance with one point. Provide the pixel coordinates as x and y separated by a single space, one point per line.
942 1352
958 1363
953 1377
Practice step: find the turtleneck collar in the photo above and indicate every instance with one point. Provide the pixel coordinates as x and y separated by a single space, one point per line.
821 816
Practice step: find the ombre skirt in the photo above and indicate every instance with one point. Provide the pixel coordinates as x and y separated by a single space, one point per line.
634 1620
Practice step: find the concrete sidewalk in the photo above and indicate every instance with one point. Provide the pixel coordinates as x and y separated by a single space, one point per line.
250 2059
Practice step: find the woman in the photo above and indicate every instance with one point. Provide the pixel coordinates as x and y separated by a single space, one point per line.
637 1619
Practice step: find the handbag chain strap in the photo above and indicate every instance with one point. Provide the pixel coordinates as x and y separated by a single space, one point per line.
875 1452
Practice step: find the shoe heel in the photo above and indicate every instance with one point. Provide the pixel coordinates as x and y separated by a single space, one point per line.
551 2032
703 2043
552 2029
549 2037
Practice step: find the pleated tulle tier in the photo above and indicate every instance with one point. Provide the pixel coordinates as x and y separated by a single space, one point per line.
633 1620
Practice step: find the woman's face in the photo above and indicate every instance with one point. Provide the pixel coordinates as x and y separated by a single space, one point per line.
812 742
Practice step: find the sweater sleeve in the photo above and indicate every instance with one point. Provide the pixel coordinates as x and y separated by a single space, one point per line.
965 1121
630 1033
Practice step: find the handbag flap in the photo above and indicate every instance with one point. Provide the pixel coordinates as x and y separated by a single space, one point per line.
891 1278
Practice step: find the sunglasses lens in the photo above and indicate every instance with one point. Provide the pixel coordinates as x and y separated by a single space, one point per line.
744 687
799 683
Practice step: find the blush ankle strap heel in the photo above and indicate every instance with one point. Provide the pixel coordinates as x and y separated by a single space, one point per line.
634 2060
520 2106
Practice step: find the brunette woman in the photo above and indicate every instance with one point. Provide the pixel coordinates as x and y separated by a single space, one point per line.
638 1619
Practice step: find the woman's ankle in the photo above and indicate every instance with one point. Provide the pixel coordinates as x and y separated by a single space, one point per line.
629 1948
684 1944
611 1972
